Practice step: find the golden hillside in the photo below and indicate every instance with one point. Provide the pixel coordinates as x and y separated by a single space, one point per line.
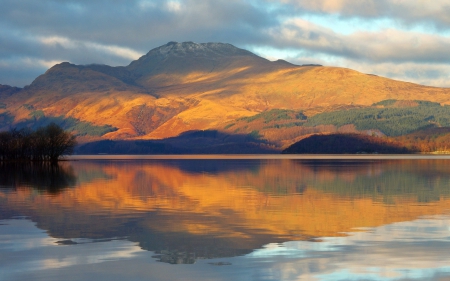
187 86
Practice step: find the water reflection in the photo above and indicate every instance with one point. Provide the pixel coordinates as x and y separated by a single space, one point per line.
413 250
186 210
46 177
426 179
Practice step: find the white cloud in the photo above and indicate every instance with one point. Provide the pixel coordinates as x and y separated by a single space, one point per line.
174 6
118 51
126 53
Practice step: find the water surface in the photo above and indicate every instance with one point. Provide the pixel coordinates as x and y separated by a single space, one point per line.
226 219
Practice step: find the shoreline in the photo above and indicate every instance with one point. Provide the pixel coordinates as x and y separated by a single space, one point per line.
261 157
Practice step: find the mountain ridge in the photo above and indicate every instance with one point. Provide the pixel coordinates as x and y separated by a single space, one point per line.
186 86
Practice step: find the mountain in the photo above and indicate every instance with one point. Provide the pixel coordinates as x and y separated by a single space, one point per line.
188 87
6 90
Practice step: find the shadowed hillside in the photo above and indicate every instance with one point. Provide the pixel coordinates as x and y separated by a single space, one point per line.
193 142
343 144
6 90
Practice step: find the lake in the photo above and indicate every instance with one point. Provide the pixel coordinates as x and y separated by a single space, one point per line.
227 218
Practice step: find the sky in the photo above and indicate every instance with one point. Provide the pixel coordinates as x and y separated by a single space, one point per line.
406 40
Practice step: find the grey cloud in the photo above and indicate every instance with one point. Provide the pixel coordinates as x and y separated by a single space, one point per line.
132 24
13 44
376 47
16 46
22 58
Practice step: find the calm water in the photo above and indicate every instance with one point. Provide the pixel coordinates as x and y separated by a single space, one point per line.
226 219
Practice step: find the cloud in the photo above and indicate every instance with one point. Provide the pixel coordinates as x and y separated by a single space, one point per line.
400 251
404 55
23 57
43 253
135 23
390 252
389 45
433 13
363 33
67 43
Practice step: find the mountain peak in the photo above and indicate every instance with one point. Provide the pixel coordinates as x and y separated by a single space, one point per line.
184 57
193 49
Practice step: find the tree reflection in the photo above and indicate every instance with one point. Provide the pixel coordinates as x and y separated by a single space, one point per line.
46 177
426 180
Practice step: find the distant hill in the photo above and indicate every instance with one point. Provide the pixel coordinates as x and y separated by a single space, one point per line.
192 142
345 144
6 90
182 87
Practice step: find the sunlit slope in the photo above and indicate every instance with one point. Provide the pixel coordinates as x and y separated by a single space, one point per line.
90 93
188 86
308 89
302 87
288 200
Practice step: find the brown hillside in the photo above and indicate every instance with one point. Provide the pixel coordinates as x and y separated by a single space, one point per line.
188 86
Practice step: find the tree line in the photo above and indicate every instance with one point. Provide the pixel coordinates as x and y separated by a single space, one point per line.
47 143
345 143
392 121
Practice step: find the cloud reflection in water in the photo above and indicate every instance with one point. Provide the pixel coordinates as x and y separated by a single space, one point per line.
397 251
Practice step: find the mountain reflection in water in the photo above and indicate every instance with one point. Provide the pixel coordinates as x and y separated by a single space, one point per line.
184 210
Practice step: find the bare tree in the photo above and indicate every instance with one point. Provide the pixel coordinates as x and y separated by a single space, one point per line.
47 143
57 142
